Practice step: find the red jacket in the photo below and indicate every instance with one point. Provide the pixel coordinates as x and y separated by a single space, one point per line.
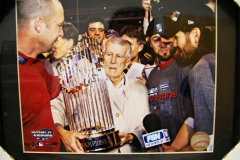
37 87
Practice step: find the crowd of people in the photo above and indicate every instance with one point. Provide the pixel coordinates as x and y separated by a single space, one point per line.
179 89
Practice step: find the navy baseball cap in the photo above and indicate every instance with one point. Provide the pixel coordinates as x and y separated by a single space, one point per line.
191 16
184 19
111 32
160 25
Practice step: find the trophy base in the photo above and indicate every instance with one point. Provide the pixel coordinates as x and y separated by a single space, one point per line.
101 143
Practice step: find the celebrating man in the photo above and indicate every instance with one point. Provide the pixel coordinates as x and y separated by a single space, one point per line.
195 36
167 83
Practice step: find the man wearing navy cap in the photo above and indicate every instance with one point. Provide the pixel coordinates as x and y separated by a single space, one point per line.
167 83
196 39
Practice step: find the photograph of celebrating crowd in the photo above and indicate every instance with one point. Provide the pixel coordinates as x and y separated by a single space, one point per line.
104 77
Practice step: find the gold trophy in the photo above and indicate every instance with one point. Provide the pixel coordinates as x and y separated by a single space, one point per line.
86 97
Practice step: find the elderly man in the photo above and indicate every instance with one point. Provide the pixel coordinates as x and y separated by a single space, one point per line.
126 95
37 31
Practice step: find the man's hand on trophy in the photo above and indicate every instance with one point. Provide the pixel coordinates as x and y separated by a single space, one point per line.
125 138
71 139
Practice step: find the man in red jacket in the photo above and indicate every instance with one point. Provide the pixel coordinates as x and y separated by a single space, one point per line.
39 25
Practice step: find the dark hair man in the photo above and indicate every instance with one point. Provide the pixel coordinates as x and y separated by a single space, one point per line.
195 27
96 28
167 83
134 34
39 25
61 49
65 43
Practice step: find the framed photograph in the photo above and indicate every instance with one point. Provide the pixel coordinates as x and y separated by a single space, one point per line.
38 143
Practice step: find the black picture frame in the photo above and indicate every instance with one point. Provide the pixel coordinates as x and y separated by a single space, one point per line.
9 47
227 123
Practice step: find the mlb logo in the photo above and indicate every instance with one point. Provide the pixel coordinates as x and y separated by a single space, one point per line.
159 27
40 144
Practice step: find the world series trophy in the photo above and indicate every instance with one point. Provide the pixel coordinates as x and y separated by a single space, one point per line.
88 108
